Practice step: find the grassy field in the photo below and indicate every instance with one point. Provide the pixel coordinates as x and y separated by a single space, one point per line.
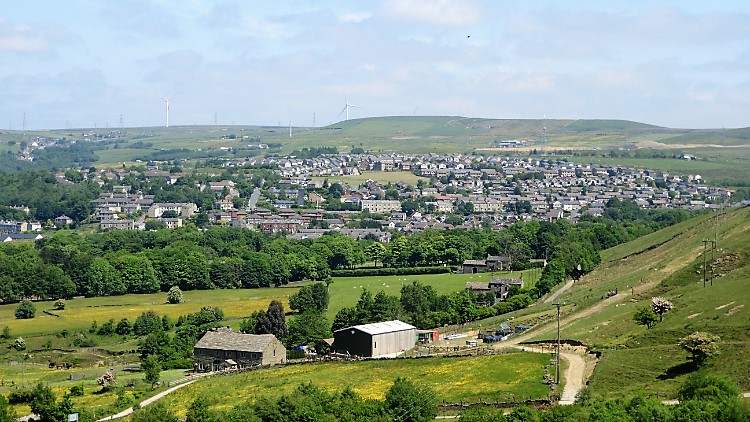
378 176
79 313
499 377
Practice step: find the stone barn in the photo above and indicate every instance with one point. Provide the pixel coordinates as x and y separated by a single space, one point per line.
223 348
380 339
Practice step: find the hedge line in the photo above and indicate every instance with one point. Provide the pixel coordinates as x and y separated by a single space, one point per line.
365 272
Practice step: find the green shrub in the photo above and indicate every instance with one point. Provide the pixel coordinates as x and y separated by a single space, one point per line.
25 310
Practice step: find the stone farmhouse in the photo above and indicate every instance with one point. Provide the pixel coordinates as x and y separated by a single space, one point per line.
222 348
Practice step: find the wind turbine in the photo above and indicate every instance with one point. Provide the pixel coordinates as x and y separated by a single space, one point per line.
346 109
166 101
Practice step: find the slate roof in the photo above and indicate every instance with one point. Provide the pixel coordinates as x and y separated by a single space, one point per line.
230 340
477 285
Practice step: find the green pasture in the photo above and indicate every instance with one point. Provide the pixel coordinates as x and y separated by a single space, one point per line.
345 291
378 176
467 379
80 312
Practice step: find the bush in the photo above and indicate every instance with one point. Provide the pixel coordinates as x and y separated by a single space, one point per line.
20 396
76 391
147 323
25 310
123 327
6 333
59 304
705 386
174 295
82 341
107 329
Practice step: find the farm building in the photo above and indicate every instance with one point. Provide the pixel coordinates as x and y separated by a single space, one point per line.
498 286
223 349
375 340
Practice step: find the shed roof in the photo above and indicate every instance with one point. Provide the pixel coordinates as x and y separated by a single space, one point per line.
381 327
230 340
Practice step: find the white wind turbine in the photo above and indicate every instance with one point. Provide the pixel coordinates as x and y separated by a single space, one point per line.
346 109
166 101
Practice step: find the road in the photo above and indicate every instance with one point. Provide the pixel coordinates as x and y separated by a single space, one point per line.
148 401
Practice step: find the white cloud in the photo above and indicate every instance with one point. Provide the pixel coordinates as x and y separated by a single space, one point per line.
23 38
356 17
452 13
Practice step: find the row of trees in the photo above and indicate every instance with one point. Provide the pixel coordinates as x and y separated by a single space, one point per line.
123 262
421 306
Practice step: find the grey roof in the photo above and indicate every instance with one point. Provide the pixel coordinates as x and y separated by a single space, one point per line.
381 327
230 340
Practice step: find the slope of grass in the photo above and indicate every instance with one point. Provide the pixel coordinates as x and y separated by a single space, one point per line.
498 377
637 359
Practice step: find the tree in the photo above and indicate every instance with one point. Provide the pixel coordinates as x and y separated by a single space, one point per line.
174 295
25 310
148 322
20 344
660 306
123 327
199 411
313 297
43 404
700 345
272 321
408 402
102 279
306 328
156 412
107 380
7 413
375 252
645 316
151 369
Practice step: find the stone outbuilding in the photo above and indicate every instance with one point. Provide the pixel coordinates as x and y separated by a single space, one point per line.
223 348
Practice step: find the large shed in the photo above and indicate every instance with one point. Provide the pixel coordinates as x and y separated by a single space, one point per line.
376 340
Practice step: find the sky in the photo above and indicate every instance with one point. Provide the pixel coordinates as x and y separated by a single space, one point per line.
93 63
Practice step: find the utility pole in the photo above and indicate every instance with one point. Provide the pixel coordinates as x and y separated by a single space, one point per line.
557 360
704 262
713 246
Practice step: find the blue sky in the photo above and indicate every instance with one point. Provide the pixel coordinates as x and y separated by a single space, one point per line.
81 63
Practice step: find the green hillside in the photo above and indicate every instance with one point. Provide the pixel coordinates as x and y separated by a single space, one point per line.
668 263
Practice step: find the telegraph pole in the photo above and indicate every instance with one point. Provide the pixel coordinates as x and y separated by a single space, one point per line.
704 261
557 359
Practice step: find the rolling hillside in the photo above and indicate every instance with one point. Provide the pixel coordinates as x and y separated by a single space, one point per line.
668 263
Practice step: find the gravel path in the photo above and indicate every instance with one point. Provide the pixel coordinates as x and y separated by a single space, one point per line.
146 402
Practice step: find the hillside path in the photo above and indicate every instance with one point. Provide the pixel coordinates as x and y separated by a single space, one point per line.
148 401
559 291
